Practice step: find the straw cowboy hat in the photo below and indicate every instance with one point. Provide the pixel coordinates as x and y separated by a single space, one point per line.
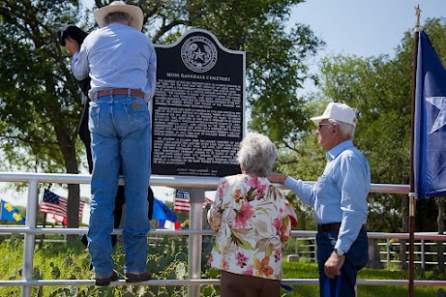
133 11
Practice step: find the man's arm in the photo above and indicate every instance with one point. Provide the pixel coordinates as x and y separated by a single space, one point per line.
151 73
79 63
298 187
303 190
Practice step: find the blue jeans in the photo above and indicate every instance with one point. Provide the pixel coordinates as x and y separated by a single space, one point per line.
356 258
120 137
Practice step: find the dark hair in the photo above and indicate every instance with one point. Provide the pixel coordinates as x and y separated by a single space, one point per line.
72 31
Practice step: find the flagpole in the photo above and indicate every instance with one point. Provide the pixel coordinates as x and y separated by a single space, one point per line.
412 195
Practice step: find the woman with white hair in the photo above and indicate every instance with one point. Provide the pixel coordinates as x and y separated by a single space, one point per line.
252 220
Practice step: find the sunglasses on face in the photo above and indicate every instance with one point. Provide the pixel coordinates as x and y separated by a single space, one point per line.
322 125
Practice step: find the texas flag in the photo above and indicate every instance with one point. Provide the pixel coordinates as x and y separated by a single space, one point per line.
429 158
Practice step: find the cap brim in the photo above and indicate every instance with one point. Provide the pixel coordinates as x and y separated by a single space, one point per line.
316 120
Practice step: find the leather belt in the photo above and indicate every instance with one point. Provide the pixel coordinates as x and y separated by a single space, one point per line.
328 227
120 91
332 227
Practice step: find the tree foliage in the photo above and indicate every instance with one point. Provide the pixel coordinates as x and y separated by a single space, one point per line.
39 99
39 109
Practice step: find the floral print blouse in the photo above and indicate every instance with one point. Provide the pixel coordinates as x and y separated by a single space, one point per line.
252 220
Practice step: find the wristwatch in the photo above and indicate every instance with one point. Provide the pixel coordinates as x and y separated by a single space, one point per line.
339 252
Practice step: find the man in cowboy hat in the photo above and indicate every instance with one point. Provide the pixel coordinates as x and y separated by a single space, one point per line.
121 62
339 201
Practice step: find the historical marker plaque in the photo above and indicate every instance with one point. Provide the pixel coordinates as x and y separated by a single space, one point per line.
198 107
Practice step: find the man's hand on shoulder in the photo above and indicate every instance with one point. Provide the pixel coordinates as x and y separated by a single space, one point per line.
277 178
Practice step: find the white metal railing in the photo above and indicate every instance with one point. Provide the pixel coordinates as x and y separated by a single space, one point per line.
421 251
387 252
196 186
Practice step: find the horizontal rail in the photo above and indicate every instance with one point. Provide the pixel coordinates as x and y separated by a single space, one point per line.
189 182
418 236
407 261
386 282
380 235
88 282
81 231
394 244
415 252
191 282
300 233
390 189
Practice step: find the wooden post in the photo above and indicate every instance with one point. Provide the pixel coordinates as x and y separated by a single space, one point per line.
412 194
412 207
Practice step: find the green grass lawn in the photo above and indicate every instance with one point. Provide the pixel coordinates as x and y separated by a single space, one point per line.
309 270
71 261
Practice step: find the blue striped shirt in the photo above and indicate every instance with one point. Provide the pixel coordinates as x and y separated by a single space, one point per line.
340 194
117 56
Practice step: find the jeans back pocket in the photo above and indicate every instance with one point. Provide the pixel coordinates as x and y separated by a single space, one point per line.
137 112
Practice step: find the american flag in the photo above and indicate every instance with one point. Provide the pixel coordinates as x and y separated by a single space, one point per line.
182 201
57 206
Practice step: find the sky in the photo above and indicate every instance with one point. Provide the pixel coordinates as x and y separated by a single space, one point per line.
348 27
363 27
360 27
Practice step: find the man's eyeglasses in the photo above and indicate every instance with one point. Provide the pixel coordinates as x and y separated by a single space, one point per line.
322 125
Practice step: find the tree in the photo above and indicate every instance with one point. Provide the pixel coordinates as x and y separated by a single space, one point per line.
39 99
35 78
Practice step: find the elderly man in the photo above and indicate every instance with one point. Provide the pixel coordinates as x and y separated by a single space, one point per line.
339 200
121 62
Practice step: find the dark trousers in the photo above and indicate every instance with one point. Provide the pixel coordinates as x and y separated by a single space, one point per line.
84 135
355 259
237 285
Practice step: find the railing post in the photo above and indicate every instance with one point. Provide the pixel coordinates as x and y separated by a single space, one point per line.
423 260
295 247
195 240
388 252
28 247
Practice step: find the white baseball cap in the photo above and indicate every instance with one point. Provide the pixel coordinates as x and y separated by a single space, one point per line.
338 112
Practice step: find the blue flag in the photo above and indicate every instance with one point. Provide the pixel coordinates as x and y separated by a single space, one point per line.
162 213
430 122
9 213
